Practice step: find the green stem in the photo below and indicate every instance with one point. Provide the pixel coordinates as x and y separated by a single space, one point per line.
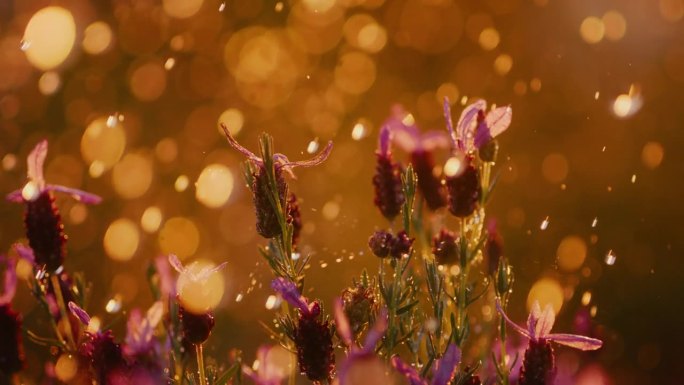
200 364
504 365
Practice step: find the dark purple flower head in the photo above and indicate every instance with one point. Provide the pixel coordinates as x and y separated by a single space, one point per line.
401 245
389 196
445 247
268 225
380 243
464 189
443 372
196 328
429 184
538 367
43 222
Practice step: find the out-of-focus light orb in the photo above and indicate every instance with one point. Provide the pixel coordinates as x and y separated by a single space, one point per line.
672 10
96 169
200 296
615 25
489 39
280 360
233 119
166 150
448 90
50 34
9 162
180 236
78 213
593 374
359 131
555 168
652 155
317 6
182 183
97 38
24 269
626 105
66 367
571 253
182 9
592 30
355 73
331 210
49 83
103 144
132 176
121 239
546 291
148 81
214 185
535 84
363 32
151 219
503 64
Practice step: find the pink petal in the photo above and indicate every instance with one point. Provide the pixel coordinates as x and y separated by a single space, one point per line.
15 196
545 322
35 162
446 366
81 196
575 341
208 271
511 323
79 313
498 120
407 371
250 155
342 323
166 282
466 123
533 319
316 160
405 138
435 139
375 334
10 281
288 290
25 253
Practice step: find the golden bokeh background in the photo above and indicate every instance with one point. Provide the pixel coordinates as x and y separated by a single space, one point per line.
130 93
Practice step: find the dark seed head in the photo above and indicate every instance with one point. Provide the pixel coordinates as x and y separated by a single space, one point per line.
294 217
430 186
389 195
267 224
315 353
196 327
105 356
538 365
401 244
380 243
11 348
444 247
464 190
359 305
45 231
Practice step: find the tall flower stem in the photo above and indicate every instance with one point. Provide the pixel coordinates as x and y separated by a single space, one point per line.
200 364
504 364
54 279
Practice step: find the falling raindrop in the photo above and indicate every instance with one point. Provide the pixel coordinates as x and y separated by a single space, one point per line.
313 146
114 304
24 45
359 131
239 297
222 7
545 224
279 6
594 222
271 302
610 258
169 63
596 95
112 120
633 178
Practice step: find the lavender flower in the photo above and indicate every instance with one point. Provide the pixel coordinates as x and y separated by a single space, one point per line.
389 195
464 189
140 330
266 373
380 243
362 358
538 364
474 129
268 224
43 222
420 147
444 368
312 336
11 348
444 247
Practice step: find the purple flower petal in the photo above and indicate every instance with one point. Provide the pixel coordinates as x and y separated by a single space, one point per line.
342 323
384 139
15 196
407 371
81 196
167 284
79 313
10 281
482 135
375 334
288 290
498 120
35 162
316 160
545 322
515 326
575 341
446 366
466 123
250 155
176 263
25 252
450 124
206 272
434 139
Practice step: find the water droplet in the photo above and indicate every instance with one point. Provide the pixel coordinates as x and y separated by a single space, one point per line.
593 311
545 224
610 258
359 131
594 222
239 297
271 302
222 7
338 260
279 6
596 95
24 45
586 298
603 149
313 146
296 256
633 178
324 265
169 63
114 304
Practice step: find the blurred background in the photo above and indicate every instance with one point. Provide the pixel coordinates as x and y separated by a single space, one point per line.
129 94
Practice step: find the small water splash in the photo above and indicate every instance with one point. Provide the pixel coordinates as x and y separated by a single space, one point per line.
610 258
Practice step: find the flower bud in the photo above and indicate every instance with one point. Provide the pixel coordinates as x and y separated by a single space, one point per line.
445 247
359 305
489 151
196 327
380 243
389 196
267 224
400 245
105 356
315 353
464 190
493 250
45 231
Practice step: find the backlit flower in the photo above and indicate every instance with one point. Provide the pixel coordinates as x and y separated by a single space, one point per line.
443 372
475 128
43 222
140 330
267 224
389 196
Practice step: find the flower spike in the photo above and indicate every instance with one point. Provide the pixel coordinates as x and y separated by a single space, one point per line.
288 290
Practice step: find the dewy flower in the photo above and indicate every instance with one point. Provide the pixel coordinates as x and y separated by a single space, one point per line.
11 347
538 363
312 336
444 368
265 373
420 147
361 366
196 326
44 228
389 196
267 224
383 243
